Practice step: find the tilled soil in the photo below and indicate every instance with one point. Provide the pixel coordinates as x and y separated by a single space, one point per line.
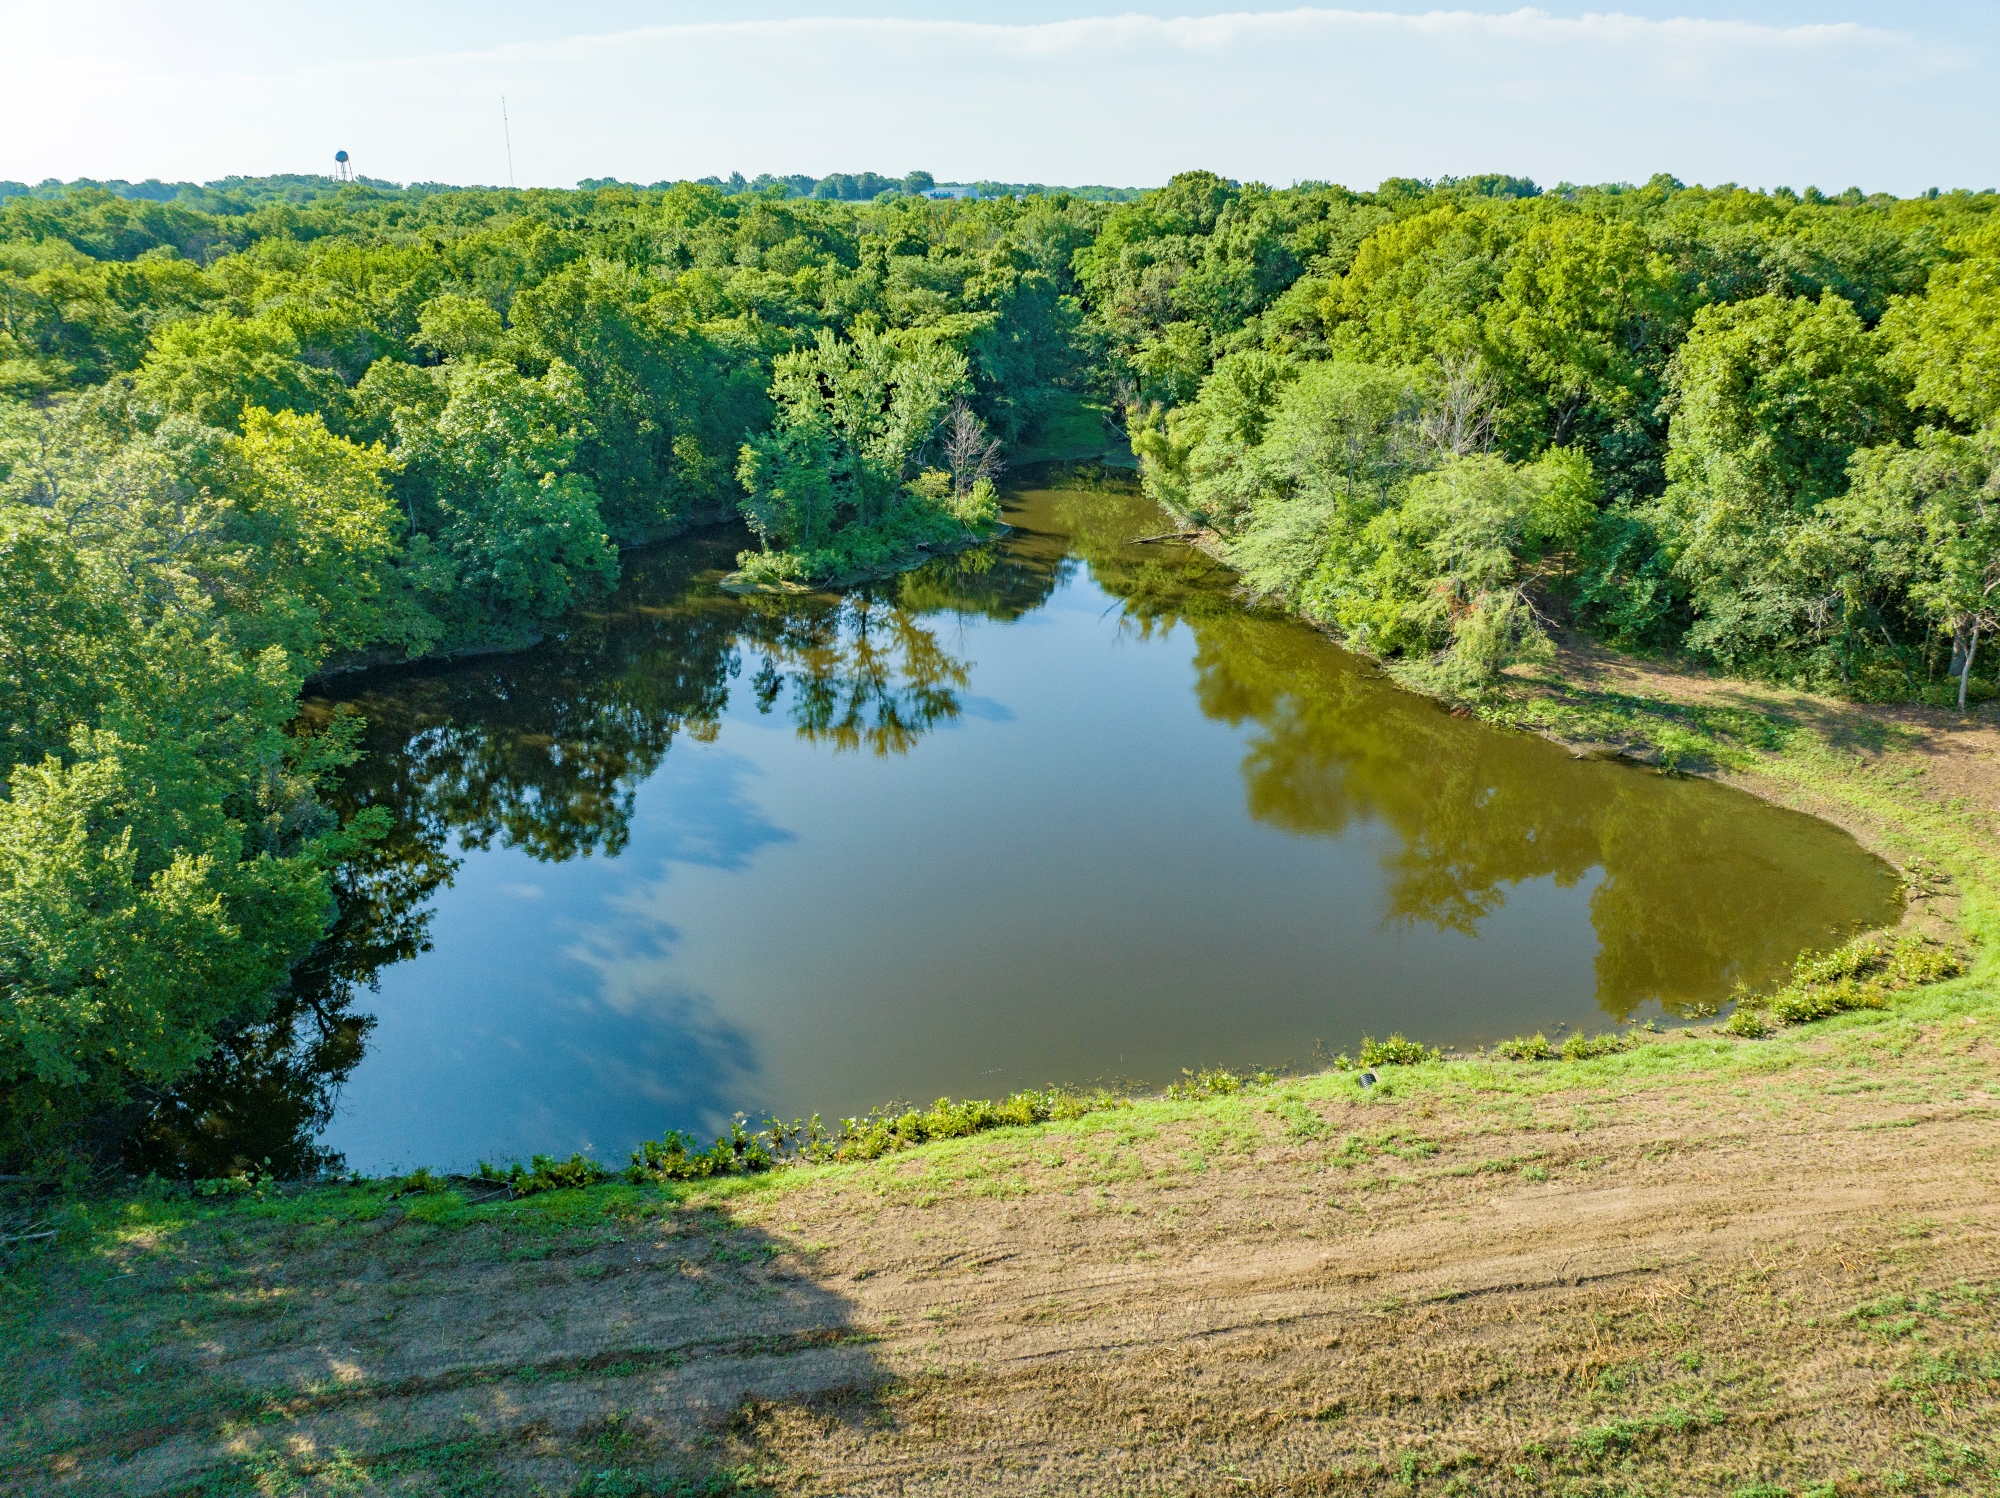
1688 1286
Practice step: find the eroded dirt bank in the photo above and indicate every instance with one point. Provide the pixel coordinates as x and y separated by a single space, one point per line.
1937 755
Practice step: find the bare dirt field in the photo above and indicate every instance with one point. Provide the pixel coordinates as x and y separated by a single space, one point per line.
1708 1280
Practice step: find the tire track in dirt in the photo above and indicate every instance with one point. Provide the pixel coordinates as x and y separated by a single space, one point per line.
1285 1314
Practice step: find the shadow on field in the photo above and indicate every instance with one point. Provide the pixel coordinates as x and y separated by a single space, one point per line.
551 1348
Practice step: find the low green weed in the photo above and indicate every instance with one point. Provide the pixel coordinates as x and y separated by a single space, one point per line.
1578 1047
1800 1005
1747 1023
676 1157
883 1131
545 1173
1214 1082
1397 1050
1860 975
618 1483
1300 1121
243 1183
419 1182
1582 1047
1595 1443
447 1208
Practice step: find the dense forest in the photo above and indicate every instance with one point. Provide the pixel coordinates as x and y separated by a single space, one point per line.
259 436
240 449
1757 427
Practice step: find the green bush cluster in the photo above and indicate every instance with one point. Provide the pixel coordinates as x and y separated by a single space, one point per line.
1861 975
679 1156
912 524
1211 1082
1397 1050
1582 1047
420 1182
544 1173
1577 1047
840 486
1746 1023
1448 418
884 1131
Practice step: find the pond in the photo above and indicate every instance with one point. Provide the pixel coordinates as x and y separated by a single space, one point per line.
1057 811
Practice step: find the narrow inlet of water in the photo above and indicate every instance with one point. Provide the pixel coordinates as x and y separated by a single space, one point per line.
1056 811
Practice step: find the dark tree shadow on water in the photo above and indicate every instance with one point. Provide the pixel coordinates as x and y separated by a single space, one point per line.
258 1101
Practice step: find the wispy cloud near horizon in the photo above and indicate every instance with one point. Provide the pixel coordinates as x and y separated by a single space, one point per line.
1278 95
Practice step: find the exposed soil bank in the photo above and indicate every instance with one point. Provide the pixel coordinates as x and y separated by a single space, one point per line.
1947 758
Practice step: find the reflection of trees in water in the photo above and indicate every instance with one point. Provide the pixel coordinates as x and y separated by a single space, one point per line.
858 673
258 1101
1700 888
1001 581
545 751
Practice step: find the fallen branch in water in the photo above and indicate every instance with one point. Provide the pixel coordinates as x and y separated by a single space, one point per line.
1193 535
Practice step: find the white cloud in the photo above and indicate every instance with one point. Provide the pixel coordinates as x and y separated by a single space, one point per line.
1348 95
1674 46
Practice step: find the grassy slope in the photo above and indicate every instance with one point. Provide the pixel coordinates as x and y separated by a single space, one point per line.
319 1342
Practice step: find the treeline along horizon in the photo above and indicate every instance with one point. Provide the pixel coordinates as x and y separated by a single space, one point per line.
235 195
239 448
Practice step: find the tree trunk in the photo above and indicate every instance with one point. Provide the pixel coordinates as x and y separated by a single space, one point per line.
1971 649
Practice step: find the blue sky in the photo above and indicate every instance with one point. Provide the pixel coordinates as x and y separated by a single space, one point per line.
1894 97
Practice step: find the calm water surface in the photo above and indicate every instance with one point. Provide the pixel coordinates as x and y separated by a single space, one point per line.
1059 811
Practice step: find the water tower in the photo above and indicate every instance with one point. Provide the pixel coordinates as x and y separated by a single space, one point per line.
343 169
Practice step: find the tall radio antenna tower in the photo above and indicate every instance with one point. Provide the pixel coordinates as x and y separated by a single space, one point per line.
507 134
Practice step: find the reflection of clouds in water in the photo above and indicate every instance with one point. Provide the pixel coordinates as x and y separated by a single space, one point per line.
985 710
641 1034
633 967
706 820
680 1070
709 820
